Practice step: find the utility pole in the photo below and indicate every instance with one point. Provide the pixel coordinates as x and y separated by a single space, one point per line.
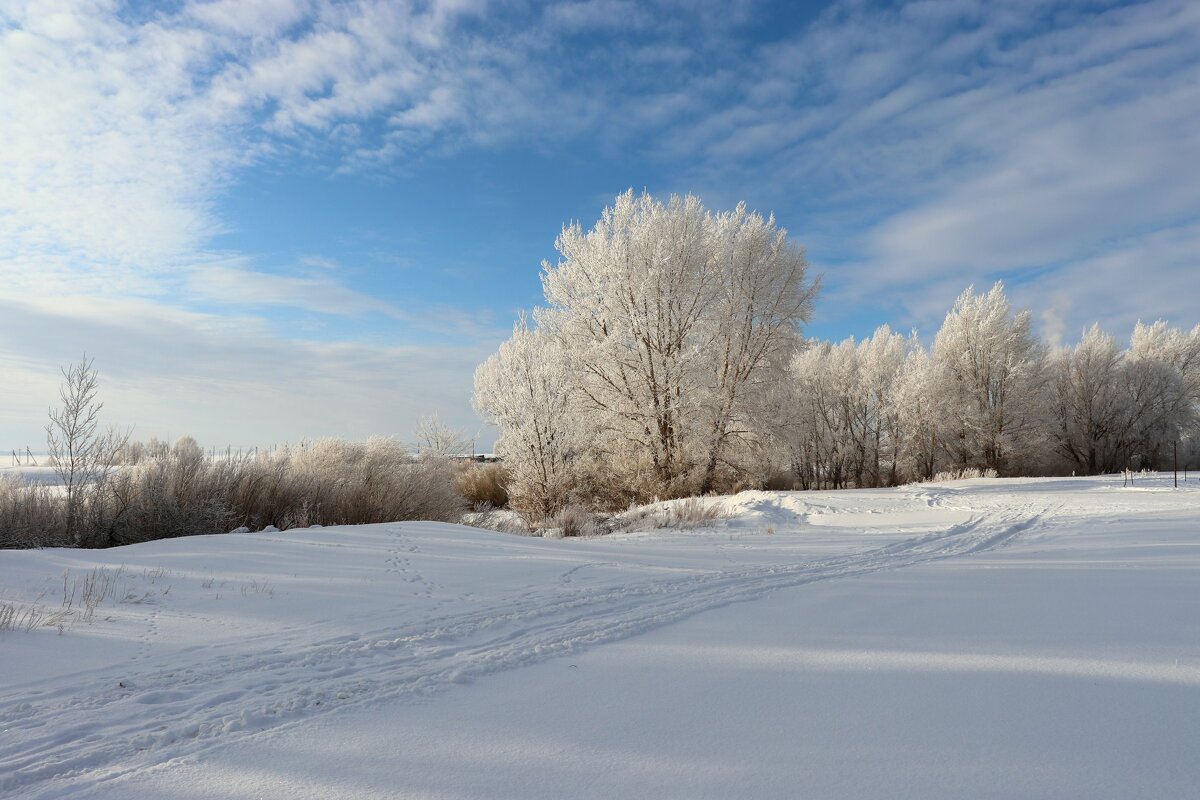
1176 444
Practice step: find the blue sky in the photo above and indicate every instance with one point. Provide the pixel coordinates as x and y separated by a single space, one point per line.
272 219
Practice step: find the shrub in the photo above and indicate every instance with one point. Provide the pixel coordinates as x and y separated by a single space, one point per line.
572 521
31 515
778 481
333 482
162 497
483 483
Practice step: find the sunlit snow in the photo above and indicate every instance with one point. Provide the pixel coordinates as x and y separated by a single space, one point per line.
1000 638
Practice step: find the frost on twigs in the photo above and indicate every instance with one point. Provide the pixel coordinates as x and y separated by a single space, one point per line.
83 455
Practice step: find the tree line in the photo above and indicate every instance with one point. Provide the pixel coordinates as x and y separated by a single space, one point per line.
670 360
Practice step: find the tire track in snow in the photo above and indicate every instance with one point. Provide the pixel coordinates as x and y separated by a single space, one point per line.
114 722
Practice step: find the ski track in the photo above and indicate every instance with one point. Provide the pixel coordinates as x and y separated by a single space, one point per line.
118 720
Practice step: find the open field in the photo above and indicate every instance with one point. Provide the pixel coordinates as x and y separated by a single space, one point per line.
992 638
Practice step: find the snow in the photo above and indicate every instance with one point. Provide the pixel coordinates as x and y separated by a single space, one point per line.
30 474
990 638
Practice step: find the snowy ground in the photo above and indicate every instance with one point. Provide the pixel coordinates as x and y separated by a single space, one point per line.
28 473
1031 638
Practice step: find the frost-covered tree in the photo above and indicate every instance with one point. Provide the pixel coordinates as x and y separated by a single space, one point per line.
770 452
668 315
1163 386
992 370
83 455
1172 346
187 449
763 296
628 302
524 390
437 440
1093 415
850 431
826 377
880 362
920 407
669 359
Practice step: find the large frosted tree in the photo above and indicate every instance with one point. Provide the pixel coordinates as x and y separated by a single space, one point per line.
992 369
628 301
763 296
668 316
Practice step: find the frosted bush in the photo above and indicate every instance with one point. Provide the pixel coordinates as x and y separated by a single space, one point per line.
572 521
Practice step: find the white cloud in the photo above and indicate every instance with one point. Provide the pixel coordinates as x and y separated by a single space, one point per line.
223 379
233 284
260 18
121 136
1145 277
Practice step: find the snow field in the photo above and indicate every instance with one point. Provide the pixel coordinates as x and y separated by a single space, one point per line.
227 663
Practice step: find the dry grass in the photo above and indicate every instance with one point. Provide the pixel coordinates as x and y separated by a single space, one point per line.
694 512
181 493
572 521
967 473
685 514
82 595
482 484
28 617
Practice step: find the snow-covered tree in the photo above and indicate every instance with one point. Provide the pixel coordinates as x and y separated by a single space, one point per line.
920 406
437 440
525 391
826 377
187 449
763 296
628 301
669 359
1093 415
850 430
668 316
1163 387
880 361
993 374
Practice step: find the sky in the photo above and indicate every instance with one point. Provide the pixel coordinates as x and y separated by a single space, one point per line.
269 220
